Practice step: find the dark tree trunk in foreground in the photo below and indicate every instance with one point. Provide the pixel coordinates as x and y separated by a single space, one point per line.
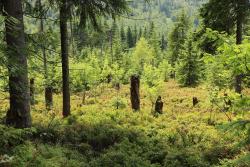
19 112
239 34
135 92
65 59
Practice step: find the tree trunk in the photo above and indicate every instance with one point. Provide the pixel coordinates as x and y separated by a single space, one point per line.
19 112
49 97
135 93
239 34
159 106
65 59
32 91
195 101
48 94
84 97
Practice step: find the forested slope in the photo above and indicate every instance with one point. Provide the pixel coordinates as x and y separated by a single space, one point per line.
117 83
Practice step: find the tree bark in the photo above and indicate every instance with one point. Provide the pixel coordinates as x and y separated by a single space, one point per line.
159 106
239 34
49 97
135 93
32 91
19 112
195 101
48 93
65 59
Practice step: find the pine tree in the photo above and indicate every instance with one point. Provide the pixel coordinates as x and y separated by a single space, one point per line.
140 33
145 33
130 40
19 112
163 43
135 35
188 69
178 37
122 34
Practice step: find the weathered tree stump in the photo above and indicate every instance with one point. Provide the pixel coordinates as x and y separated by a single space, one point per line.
49 97
195 101
32 91
117 86
159 106
135 92
109 78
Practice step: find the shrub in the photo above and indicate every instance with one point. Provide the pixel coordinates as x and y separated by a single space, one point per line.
119 103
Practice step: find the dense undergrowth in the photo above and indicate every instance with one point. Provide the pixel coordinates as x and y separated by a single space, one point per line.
97 134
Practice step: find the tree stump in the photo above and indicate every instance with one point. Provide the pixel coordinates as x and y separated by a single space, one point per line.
109 78
195 101
49 97
117 86
159 105
135 92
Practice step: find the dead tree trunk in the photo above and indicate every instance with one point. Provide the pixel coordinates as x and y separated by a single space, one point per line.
195 101
135 92
49 97
159 106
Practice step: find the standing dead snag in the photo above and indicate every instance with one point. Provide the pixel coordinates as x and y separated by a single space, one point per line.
195 101
158 106
49 97
135 92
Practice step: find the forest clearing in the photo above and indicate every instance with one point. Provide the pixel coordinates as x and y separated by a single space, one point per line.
117 83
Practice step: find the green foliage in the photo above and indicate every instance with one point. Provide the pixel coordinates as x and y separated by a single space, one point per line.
188 68
46 155
12 137
152 82
143 54
130 39
209 40
165 70
222 15
119 103
104 131
178 37
231 60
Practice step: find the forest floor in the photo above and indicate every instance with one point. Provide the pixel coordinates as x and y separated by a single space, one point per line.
97 134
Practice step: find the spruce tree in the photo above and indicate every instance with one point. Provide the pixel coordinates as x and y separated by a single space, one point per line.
135 35
178 37
19 113
122 34
130 40
188 68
